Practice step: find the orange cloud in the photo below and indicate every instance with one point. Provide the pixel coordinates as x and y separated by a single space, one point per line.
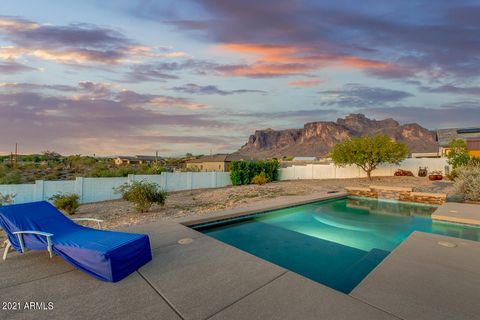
163 101
10 52
259 70
73 44
278 60
305 83
259 49
16 24
359 63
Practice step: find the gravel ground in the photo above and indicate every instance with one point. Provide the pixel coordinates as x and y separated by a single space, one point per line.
119 213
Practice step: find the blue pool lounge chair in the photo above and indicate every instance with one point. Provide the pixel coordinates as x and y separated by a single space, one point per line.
106 255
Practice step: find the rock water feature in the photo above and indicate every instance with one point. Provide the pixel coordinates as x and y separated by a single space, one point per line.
398 194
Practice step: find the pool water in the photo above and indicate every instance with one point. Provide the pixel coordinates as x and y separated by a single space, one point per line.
335 242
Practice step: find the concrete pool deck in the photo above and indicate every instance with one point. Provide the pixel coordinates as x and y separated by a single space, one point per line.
458 212
426 277
261 206
207 279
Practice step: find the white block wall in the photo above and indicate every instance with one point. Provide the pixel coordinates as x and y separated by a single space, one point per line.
331 171
24 192
98 189
101 189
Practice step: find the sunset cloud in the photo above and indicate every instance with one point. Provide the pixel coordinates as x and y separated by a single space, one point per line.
450 88
446 116
211 90
360 96
303 114
281 60
306 83
11 66
69 121
267 52
73 44
23 86
263 70
132 98
435 39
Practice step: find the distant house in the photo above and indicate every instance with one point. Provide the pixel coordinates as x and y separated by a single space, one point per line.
135 160
470 135
304 159
216 162
419 155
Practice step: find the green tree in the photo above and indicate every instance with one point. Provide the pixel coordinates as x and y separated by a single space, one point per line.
368 152
458 155
51 156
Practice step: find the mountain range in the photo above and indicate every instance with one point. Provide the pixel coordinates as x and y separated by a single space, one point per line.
318 138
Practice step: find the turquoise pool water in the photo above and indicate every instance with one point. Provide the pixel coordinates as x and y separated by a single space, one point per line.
335 242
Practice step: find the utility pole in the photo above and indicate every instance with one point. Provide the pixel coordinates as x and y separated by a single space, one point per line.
14 164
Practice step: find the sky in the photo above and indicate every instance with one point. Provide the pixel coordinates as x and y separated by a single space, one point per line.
115 77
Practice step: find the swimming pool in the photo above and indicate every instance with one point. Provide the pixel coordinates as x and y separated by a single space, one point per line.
334 242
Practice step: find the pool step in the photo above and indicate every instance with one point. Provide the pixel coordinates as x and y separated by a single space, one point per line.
359 270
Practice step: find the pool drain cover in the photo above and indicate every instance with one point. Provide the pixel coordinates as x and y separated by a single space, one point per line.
447 244
185 241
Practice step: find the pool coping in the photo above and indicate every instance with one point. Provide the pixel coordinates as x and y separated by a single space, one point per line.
462 213
260 207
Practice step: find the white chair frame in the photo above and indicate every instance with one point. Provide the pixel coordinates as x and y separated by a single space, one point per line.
20 234
98 221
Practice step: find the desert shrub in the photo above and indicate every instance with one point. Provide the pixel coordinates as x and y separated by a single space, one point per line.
68 203
242 172
6 199
474 161
12 177
467 182
452 175
153 168
142 194
102 170
260 179
458 155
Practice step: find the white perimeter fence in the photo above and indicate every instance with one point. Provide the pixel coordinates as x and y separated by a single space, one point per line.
101 189
331 171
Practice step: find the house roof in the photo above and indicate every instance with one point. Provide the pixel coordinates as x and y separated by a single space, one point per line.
148 158
126 158
220 158
445 136
304 158
139 157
